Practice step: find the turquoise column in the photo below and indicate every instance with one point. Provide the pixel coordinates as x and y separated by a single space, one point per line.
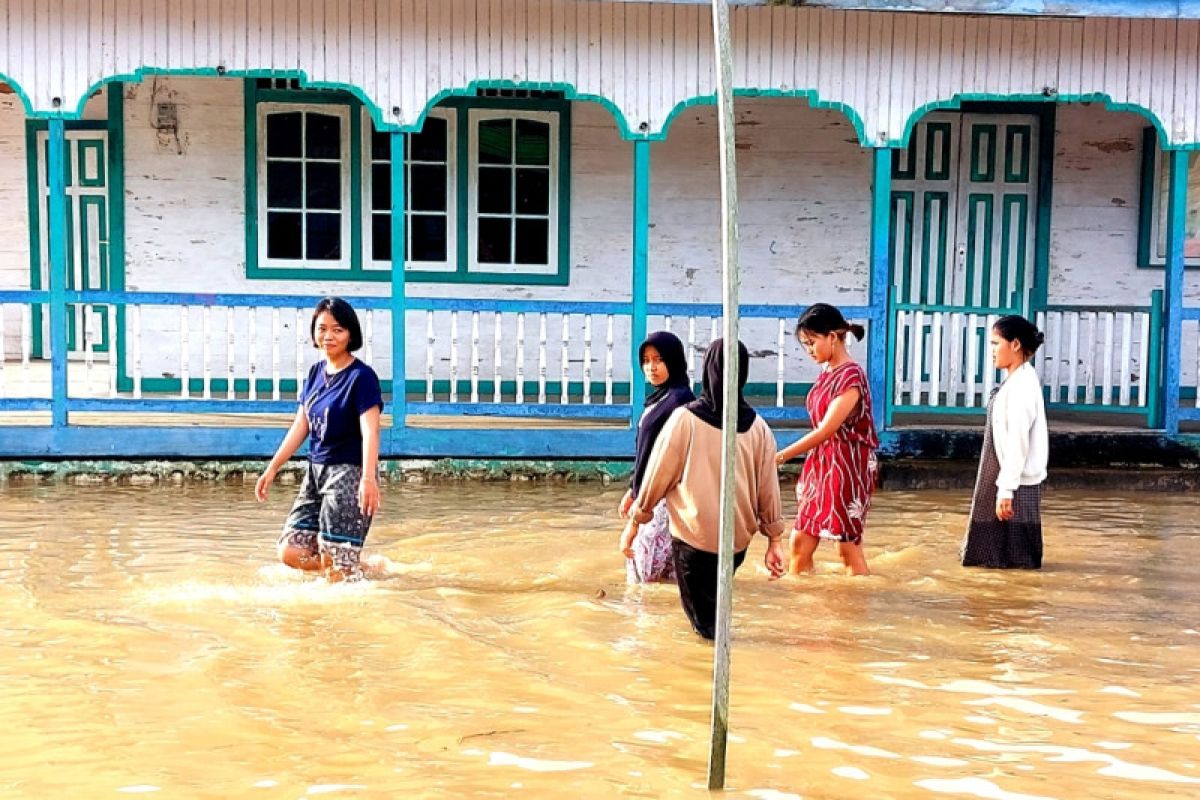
639 288
880 364
56 249
399 294
1173 287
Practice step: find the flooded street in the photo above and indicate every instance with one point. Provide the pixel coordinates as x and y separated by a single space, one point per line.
149 644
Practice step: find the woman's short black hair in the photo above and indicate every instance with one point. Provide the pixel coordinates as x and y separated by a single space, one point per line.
1015 328
343 312
823 319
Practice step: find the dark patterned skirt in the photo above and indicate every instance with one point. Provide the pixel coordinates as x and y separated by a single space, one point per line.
994 543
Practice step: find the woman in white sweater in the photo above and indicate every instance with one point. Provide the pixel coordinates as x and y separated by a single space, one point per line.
1005 530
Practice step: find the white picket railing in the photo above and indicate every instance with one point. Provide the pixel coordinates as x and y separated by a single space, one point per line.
17 378
1096 357
942 359
1092 357
481 356
780 370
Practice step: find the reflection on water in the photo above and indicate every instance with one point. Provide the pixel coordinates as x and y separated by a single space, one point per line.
150 646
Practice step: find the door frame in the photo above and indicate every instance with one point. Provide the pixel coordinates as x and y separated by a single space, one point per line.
114 126
1046 114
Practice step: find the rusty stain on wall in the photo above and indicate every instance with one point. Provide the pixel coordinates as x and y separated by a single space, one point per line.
1112 145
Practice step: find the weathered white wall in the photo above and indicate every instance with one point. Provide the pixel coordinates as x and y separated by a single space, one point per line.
14 222
804 188
804 191
185 194
804 228
1094 227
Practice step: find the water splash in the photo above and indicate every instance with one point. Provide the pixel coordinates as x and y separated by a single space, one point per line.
536 764
977 787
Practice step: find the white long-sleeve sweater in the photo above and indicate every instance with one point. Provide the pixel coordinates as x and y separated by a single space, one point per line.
1019 432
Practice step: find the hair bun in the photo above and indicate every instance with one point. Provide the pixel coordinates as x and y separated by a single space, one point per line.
1040 337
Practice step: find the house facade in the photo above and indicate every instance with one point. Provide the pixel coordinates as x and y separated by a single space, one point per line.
532 185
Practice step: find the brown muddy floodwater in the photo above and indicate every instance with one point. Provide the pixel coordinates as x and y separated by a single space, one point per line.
148 645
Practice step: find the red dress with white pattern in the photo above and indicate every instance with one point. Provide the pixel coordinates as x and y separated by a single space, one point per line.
835 486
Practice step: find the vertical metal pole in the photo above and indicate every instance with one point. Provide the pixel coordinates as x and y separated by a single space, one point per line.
399 296
57 251
641 267
877 349
730 281
1173 285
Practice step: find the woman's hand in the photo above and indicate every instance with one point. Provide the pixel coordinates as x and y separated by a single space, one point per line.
262 486
1004 509
368 496
782 457
774 559
626 502
627 536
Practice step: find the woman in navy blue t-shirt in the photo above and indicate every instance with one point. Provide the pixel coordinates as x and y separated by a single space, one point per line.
340 405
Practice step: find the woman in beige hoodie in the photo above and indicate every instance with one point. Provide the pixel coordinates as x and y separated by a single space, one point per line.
685 470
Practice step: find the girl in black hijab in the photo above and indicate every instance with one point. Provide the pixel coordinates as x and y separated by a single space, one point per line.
709 407
684 473
664 363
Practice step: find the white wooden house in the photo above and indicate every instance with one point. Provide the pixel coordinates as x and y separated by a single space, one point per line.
226 162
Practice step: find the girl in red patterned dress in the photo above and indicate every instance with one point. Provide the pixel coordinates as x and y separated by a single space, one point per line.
835 486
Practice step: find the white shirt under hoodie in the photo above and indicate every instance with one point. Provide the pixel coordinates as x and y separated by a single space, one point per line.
1019 432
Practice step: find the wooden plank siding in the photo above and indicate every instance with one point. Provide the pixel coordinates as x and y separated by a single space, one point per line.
644 60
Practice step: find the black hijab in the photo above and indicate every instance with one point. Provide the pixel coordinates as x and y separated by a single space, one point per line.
709 405
675 392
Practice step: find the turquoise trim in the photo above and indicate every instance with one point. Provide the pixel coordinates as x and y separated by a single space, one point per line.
113 170
1154 371
116 217
1008 241
986 173
640 270
880 353
943 130
974 201
250 142
33 191
571 93
254 271
1146 200
909 172
356 187
399 299
19 91
358 258
906 199
81 148
1047 138
943 201
956 101
1147 258
462 203
812 96
57 249
447 97
1021 173
1173 290
441 388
